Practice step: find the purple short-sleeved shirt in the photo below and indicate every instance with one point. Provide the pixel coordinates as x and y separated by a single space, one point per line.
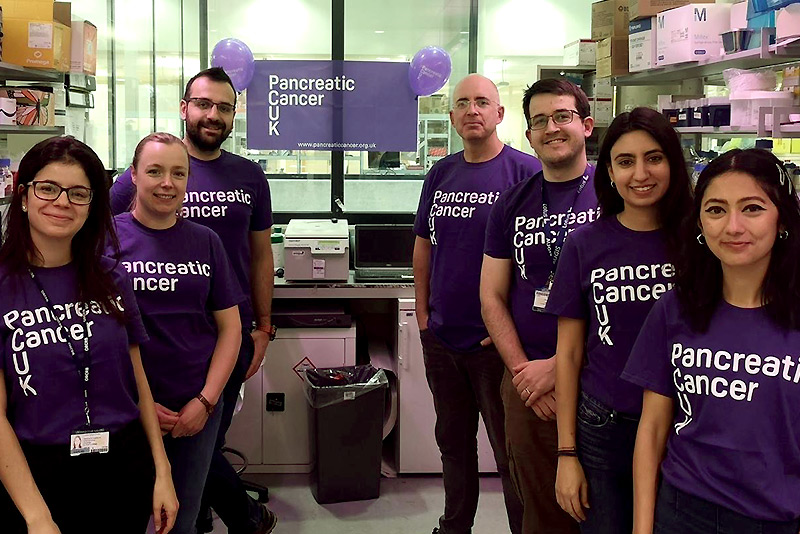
453 210
517 231
610 276
180 275
43 386
736 435
231 196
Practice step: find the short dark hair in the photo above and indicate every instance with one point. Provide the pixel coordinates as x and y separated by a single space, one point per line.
555 86
216 74
89 244
677 201
698 278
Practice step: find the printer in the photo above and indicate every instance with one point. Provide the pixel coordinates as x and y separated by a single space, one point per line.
316 250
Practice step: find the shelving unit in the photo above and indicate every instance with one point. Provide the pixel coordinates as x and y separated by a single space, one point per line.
711 69
727 132
39 130
9 71
439 140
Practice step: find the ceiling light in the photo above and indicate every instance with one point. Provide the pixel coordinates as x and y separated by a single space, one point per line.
379 31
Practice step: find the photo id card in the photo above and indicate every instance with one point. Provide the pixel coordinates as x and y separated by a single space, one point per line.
88 442
540 297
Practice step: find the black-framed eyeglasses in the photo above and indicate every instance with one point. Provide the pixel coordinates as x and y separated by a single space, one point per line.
204 104
560 117
77 194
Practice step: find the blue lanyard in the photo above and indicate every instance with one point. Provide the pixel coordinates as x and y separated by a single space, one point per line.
561 237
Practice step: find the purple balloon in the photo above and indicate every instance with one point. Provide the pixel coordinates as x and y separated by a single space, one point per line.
429 70
236 60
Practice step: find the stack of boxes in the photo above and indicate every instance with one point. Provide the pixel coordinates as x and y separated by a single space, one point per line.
610 30
41 34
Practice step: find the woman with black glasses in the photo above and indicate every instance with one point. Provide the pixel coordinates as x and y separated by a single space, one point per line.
69 362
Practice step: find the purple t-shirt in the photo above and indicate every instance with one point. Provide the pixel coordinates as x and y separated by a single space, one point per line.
180 275
517 231
44 388
736 438
453 210
610 276
231 196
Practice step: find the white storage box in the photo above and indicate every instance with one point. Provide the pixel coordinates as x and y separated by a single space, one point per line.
787 22
601 111
691 32
580 52
642 44
317 250
745 106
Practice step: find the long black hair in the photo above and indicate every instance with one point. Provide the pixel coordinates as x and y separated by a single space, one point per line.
698 277
94 281
677 201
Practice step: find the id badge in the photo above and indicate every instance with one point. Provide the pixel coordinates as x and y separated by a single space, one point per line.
88 442
540 297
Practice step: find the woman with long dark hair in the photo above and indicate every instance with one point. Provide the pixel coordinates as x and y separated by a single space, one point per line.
610 274
718 359
69 361
188 295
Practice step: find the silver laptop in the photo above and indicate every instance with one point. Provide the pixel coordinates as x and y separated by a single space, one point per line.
384 252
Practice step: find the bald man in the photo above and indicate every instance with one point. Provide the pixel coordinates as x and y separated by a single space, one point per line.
463 368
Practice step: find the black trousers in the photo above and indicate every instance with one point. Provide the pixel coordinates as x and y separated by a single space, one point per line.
110 492
224 491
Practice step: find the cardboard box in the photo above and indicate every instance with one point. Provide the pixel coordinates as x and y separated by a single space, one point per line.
596 87
691 32
649 8
601 111
787 22
580 52
37 33
612 46
642 44
84 47
609 18
613 66
35 107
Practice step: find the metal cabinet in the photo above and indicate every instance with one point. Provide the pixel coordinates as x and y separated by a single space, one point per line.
417 451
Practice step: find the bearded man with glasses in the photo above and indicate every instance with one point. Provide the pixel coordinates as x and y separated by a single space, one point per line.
462 366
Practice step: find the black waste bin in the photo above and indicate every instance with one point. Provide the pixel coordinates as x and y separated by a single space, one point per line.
347 426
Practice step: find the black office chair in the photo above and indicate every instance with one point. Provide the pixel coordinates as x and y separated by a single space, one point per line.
261 491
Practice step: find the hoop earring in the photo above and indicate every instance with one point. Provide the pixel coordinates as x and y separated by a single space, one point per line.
613 184
24 209
783 234
701 238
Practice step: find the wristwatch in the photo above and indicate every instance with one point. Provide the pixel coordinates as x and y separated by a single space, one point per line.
271 331
209 407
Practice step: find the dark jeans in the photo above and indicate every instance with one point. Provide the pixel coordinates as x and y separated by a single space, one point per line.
678 512
190 458
605 440
464 385
110 492
531 444
224 491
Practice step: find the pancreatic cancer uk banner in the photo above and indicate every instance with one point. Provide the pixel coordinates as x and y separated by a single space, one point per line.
331 105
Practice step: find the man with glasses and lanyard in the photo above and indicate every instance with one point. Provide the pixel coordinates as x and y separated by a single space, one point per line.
462 366
526 231
230 195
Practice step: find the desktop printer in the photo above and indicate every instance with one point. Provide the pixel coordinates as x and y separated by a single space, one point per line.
317 250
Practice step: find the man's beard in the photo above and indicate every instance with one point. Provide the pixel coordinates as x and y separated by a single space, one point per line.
202 142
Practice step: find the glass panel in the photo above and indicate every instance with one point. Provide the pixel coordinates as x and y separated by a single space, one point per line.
381 31
299 179
515 38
